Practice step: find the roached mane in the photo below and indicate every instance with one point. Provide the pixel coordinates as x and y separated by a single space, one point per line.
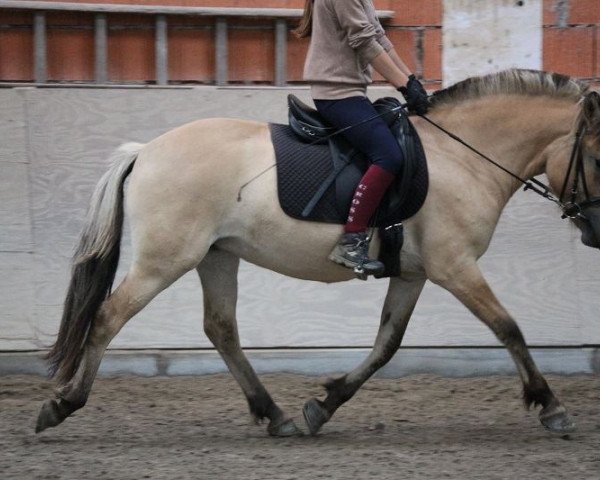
514 81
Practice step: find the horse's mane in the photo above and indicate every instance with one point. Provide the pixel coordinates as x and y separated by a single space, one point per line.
510 82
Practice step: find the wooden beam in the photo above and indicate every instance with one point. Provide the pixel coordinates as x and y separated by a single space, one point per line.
280 52
100 48
161 10
161 50
221 51
39 48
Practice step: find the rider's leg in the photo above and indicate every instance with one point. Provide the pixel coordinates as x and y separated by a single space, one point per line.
376 141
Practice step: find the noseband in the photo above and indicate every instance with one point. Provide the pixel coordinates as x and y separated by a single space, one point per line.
571 208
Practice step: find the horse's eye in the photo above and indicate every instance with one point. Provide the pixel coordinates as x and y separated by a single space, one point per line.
597 161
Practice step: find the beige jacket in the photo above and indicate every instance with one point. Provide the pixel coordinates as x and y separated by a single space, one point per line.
346 37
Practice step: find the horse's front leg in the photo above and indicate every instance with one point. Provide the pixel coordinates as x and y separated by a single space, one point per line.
400 301
218 274
468 285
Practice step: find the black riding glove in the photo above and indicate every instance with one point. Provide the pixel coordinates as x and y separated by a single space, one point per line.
416 97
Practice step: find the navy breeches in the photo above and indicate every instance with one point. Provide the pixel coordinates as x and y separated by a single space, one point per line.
374 139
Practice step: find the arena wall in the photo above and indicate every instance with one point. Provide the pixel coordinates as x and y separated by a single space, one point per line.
54 150
55 142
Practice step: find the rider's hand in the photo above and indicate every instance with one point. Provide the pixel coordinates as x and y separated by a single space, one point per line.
416 96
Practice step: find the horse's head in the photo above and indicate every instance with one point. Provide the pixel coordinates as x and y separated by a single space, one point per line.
574 172
588 191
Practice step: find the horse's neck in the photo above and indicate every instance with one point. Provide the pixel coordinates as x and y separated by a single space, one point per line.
514 131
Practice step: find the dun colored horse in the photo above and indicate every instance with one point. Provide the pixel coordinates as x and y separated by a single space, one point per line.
182 200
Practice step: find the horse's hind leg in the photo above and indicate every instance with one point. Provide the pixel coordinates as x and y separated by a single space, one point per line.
218 274
138 288
399 303
469 286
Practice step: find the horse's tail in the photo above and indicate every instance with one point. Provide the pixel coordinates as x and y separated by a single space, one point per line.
94 264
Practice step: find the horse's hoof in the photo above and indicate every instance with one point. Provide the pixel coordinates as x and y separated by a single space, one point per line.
287 428
50 416
557 420
315 415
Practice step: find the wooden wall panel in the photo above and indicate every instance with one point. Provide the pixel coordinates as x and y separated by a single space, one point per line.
536 264
15 220
588 305
16 286
13 127
16 238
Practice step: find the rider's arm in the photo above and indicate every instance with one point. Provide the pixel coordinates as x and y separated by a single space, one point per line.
385 65
398 61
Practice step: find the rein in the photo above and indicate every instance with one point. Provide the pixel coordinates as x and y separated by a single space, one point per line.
533 184
571 209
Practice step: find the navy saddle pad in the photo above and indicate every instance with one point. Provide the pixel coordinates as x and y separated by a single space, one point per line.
302 169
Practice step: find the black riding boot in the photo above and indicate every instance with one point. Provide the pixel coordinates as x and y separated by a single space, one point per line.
352 250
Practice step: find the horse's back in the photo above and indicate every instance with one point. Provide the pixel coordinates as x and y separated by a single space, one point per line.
204 144
213 132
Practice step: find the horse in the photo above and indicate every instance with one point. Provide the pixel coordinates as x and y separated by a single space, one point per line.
187 211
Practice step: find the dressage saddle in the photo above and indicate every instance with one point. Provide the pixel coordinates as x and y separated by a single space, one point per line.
349 164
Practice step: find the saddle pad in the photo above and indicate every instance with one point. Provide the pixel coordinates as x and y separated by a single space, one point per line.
302 168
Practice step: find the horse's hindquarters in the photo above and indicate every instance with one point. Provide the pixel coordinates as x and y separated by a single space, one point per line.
184 196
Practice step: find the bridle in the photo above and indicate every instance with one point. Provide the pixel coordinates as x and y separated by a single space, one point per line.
571 208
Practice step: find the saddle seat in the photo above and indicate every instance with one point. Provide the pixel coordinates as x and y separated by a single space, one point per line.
308 124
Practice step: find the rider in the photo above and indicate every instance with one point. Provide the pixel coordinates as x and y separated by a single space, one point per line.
347 42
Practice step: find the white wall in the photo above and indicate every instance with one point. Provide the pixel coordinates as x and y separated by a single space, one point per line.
482 37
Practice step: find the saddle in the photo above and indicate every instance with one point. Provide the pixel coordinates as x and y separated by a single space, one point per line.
317 173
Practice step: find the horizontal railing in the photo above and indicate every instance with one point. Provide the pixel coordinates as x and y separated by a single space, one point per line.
154 9
280 16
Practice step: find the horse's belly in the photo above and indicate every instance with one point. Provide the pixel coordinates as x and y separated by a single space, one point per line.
282 257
